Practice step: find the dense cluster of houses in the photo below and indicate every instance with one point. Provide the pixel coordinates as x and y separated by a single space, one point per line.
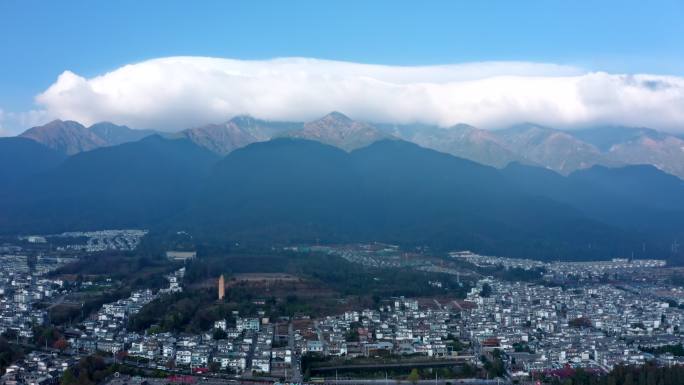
106 331
21 287
37 368
584 270
401 327
246 345
544 328
537 328
101 240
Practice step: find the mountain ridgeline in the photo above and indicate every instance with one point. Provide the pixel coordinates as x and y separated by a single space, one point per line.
562 151
69 137
291 190
335 180
130 185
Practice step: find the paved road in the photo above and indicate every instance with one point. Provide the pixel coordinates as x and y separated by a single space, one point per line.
296 376
439 305
463 381
125 380
411 364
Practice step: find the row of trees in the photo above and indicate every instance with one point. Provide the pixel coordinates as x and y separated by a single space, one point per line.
353 279
90 370
675 350
49 336
648 374
189 311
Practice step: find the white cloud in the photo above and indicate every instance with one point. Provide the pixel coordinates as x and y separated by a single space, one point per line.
13 123
179 92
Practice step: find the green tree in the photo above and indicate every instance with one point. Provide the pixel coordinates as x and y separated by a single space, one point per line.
68 378
414 377
629 379
214 366
352 335
83 378
651 377
220 334
486 291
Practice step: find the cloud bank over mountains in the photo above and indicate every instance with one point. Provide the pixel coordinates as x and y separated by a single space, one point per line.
179 92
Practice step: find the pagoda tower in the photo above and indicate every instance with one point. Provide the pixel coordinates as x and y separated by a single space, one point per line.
221 287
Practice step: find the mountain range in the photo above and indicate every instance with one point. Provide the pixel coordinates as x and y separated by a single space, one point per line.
563 151
340 131
236 133
336 180
69 137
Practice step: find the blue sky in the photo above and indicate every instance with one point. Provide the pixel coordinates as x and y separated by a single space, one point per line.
41 39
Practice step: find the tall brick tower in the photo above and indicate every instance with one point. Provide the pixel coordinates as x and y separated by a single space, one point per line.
221 287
